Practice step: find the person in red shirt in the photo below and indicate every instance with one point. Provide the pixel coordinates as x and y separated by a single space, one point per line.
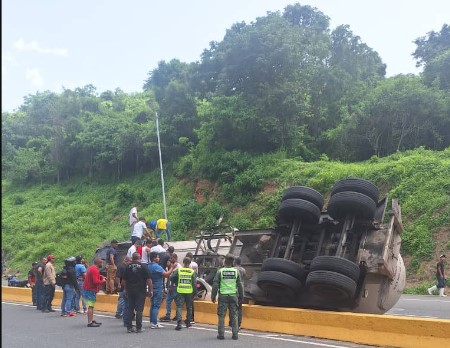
91 287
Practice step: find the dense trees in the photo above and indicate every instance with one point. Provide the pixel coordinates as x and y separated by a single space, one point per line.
285 82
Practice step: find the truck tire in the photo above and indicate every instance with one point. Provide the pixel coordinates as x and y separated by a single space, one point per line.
349 202
305 193
331 285
336 264
284 266
278 284
293 208
357 185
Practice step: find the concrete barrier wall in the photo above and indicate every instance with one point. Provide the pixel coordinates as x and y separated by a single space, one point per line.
381 330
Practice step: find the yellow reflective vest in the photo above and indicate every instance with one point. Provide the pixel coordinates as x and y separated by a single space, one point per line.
228 277
185 281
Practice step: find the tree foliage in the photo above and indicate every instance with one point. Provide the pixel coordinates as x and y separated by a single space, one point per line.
284 83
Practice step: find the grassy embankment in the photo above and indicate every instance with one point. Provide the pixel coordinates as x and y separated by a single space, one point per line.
75 217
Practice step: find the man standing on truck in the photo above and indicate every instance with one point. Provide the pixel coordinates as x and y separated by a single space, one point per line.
440 277
228 283
140 229
133 217
163 225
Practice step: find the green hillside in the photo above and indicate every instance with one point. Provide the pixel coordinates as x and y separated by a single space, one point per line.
74 217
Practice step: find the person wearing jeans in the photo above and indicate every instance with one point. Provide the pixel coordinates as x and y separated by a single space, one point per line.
69 288
66 303
80 273
40 297
157 274
171 289
122 301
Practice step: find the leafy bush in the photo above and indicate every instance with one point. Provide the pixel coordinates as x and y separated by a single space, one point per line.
18 200
125 195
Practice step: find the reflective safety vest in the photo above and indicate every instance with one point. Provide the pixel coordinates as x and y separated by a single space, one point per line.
228 277
185 281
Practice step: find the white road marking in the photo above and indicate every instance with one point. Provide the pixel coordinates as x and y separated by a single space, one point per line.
420 300
264 336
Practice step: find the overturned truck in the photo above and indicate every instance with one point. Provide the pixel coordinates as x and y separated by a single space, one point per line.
346 258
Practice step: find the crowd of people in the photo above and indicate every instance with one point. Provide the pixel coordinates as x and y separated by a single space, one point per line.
148 270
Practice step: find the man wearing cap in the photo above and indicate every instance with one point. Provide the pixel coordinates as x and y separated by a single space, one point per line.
111 267
440 277
49 284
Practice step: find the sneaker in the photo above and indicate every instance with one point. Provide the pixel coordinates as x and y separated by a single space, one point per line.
188 323
51 310
84 311
71 315
130 330
96 322
164 319
430 292
220 337
234 337
140 330
63 314
93 325
174 318
118 316
156 326
192 322
78 312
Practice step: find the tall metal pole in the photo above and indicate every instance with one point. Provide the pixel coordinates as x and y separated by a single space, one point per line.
161 167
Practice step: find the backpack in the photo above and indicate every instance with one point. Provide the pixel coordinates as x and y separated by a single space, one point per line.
61 278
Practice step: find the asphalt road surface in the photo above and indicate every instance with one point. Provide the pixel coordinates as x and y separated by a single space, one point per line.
24 326
422 307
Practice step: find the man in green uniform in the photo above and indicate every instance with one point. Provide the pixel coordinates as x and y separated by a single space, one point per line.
185 280
228 283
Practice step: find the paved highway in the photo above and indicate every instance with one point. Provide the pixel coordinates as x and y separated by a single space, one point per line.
24 326
422 307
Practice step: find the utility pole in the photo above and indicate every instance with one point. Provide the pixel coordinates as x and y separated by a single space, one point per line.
161 166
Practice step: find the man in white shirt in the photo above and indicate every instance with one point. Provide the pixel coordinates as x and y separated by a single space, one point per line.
193 265
158 248
134 248
140 229
133 217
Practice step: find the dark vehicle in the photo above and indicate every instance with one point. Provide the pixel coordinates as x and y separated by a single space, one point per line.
344 258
